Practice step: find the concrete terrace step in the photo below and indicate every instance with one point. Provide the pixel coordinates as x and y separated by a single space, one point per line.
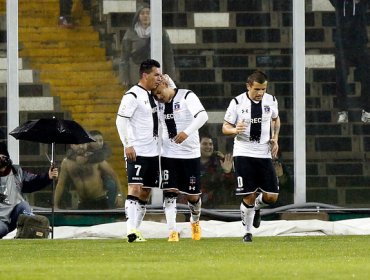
4 63
59 34
25 3
47 74
61 45
105 78
51 29
90 88
26 20
51 5
35 103
39 103
95 108
66 52
79 82
97 120
29 90
67 101
82 66
68 59
25 76
87 96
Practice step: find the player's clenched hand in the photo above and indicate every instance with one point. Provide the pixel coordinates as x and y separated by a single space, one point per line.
240 127
181 137
130 153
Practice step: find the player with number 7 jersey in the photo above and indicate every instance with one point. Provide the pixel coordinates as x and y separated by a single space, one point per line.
137 125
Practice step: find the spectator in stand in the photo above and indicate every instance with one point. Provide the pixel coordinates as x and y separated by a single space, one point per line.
70 12
87 179
217 178
351 50
286 184
136 48
99 151
65 13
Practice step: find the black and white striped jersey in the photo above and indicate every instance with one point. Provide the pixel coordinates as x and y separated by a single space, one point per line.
175 117
139 106
254 142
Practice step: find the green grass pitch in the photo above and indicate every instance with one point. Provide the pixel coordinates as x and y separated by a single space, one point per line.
309 257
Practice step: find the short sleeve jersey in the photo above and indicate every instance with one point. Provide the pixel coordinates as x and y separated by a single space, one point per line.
140 108
254 142
175 117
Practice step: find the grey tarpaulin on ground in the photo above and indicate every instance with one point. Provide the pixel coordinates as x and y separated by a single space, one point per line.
218 229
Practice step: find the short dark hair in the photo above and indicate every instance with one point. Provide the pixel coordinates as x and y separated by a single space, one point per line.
257 76
95 132
147 65
205 135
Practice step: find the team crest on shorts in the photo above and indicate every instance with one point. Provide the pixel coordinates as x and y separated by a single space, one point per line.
193 180
192 183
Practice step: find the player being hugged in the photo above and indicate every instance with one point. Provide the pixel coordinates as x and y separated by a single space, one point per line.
253 118
181 114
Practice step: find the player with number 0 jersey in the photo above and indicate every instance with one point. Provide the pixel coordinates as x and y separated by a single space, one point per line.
253 118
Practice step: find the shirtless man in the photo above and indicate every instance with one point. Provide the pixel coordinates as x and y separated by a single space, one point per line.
87 179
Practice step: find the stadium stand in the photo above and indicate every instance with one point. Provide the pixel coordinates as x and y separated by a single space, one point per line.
216 45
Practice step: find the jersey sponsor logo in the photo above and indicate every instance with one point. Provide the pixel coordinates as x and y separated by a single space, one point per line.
168 116
256 120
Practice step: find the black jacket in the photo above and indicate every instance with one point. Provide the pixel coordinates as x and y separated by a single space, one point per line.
351 23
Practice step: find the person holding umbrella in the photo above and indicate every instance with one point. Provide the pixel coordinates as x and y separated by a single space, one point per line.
14 181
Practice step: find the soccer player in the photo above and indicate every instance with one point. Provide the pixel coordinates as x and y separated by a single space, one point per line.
253 118
181 115
137 125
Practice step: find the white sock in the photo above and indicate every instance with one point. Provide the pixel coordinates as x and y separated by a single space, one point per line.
195 210
130 211
170 211
247 215
141 210
258 204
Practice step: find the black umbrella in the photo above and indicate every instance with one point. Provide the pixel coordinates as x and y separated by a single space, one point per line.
52 131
